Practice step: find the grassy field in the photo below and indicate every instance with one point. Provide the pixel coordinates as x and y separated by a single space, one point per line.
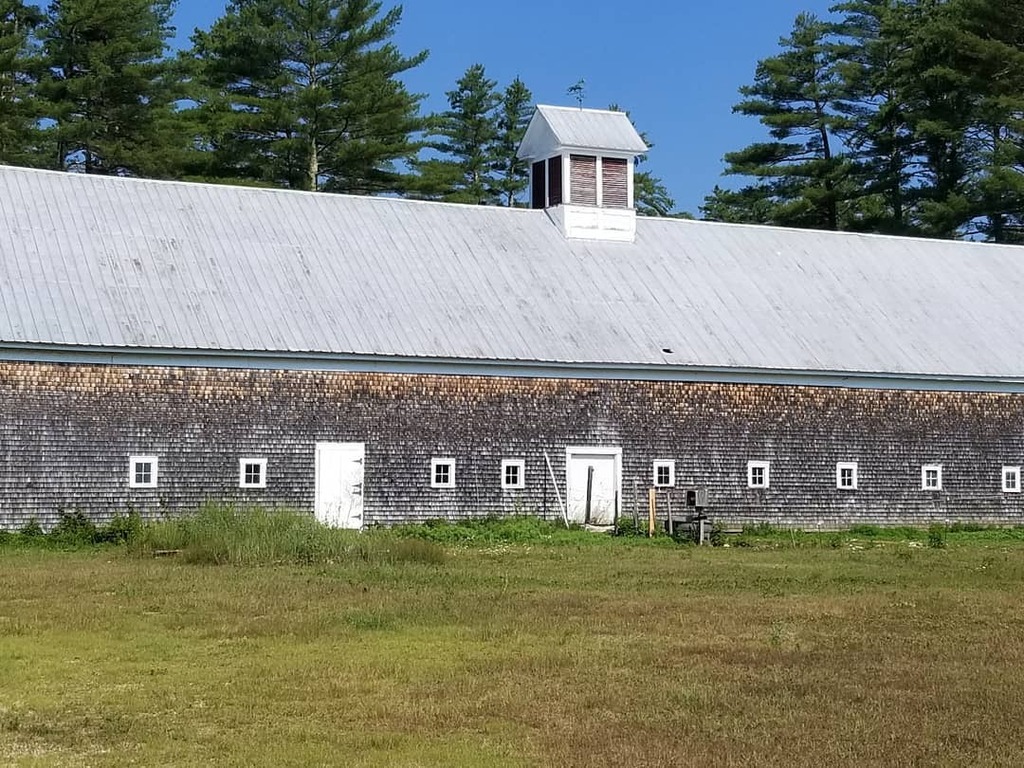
571 651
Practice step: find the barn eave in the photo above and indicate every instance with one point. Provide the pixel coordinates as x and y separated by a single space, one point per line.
439 366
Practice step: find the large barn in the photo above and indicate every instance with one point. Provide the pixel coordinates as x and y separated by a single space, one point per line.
376 360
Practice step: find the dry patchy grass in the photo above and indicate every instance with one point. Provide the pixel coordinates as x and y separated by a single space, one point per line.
611 655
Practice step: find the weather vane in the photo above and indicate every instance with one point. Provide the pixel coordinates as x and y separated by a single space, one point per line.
578 91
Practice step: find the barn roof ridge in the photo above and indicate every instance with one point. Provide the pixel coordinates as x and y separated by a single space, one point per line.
99 178
668 220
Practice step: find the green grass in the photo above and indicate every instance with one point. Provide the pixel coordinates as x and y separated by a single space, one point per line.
221 535
73 531
557 649
498 531
869 536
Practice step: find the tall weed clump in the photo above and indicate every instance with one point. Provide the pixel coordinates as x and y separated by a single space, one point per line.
73 531
225 535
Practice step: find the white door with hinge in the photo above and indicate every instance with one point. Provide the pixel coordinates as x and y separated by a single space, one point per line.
339 484
600 469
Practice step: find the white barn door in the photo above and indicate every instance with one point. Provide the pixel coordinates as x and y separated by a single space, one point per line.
339 484
601 470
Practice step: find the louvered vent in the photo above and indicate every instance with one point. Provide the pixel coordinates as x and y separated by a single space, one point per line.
614 183
555 181
539 185
583 180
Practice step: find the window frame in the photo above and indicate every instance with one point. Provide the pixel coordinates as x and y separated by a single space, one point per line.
520 465
434 464
154 461
843 466
261 462
767 467
669 464
1007 469
925 469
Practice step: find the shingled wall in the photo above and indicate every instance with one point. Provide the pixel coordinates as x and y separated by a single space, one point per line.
66 432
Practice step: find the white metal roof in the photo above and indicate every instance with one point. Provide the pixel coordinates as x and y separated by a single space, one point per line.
555 128
122 263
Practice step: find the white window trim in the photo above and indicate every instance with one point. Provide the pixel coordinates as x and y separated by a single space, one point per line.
154 477
1016 471
766 466
660 464
925 469
521 464
851 465
241 473
434 464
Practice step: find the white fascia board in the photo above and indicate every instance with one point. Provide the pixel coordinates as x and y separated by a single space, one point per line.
598 151
533 149
542 369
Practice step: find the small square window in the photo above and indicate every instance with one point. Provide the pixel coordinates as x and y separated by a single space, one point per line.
513 474
442 473
846 476
252 473
1011 480
758 474
664 474
931 477
142 471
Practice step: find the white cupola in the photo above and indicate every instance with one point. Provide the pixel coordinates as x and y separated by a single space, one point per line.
581 170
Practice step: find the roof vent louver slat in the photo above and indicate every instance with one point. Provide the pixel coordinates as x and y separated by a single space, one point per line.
583 180
555 181
614 183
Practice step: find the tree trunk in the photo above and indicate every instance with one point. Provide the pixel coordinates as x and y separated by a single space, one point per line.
832 209
313 169
996 217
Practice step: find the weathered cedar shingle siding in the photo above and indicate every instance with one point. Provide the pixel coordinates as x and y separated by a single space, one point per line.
66 433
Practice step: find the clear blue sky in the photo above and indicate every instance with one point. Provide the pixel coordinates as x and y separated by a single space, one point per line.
675 64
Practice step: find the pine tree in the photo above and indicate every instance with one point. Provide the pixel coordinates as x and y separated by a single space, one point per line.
930 90
869 50
993 42
752 204
793 95
305 94
927 100
651 196
511 175
940 103
19 135
465 136
107 87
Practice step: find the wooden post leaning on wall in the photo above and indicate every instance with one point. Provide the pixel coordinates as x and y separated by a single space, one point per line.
652 511
636 505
